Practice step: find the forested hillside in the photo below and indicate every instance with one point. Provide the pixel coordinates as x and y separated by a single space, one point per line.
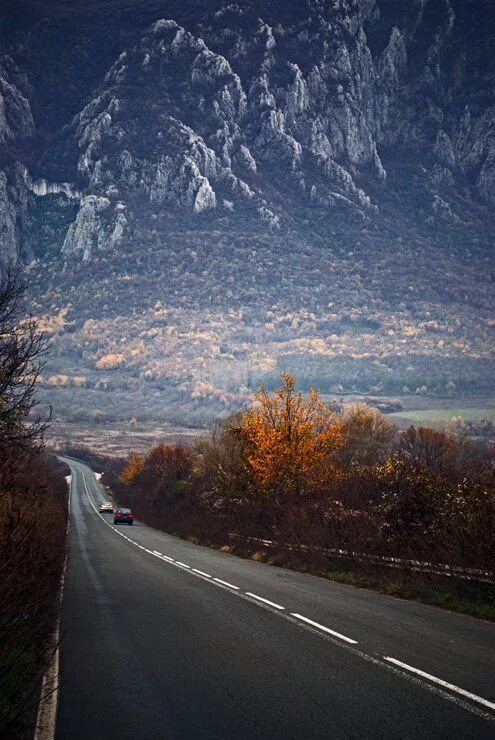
206 194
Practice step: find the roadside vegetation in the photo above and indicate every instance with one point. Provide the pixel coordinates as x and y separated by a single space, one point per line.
33 519
311 479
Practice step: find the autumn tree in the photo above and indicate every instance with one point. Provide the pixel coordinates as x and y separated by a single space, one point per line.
368 436
410 507
133 468
159 477
290 440
220 463
453 455
170 466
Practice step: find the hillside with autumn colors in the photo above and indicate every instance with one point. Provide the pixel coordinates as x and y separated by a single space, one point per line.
205 195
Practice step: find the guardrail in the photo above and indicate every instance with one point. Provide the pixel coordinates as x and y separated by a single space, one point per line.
477 575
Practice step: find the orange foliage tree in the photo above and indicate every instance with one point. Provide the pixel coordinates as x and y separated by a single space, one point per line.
162 473
134 467
290 440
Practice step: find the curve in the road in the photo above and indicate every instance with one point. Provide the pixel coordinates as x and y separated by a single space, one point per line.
464 699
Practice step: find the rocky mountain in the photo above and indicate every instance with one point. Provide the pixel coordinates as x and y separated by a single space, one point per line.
205 193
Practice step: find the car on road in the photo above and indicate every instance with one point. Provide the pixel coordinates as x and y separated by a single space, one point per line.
123 516
106 506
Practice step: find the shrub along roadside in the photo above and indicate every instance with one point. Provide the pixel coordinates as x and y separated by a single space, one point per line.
33 518
295 471
471 598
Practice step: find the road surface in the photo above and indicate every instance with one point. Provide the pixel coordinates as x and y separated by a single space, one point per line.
165 639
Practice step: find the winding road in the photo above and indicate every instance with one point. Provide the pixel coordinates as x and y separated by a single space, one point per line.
163 639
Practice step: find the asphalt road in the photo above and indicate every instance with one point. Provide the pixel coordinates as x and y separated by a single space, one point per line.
165 639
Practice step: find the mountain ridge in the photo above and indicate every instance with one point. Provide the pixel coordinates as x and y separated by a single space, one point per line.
330 160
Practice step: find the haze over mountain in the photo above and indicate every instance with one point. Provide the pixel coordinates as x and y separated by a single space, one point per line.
207 193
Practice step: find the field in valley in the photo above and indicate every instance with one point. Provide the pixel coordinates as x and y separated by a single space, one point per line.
439 412
116 439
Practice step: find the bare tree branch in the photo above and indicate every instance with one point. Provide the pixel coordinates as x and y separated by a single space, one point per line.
22 351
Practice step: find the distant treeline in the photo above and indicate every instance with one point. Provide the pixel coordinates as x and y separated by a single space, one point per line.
296 470
120 394
33 519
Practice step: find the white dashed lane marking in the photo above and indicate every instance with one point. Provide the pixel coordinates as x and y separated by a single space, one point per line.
324 629
439 681
265 601
226 583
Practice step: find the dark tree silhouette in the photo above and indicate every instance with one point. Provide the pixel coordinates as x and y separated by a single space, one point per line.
22 348
33 511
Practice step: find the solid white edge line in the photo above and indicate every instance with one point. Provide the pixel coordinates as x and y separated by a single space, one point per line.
325 629
201 573
265 601
226 583
440 682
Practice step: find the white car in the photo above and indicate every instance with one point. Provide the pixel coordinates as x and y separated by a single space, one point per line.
107 507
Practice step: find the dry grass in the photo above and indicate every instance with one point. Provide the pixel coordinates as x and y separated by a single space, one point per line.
117 439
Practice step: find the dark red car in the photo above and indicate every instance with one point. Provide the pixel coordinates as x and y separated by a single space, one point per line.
123 516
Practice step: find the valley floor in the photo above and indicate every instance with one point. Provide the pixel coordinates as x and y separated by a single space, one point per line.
117 439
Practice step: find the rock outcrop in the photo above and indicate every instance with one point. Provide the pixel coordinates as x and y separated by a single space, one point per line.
42 186
98 226
267 111
16 129
16 119
302 101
